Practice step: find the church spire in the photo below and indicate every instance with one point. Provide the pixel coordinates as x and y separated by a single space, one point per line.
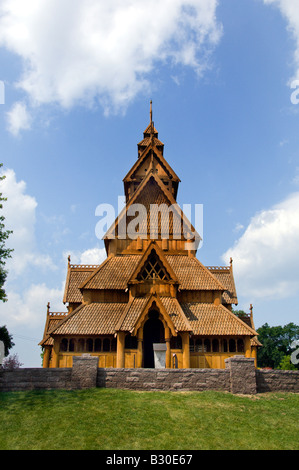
151 111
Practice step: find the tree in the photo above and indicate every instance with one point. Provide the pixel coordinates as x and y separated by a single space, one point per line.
4 252
276 341
7 339
286 364
12 363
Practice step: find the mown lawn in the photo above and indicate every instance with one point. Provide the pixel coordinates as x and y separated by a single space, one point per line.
107 419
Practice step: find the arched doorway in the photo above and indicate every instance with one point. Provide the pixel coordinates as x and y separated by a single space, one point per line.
153 332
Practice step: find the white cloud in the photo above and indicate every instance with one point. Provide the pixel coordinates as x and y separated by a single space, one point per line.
91 256
20 216
29 308
266 256
238 227
18 119
86 50
290 10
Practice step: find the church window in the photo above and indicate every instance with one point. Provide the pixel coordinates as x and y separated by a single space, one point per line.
81 345
232 345
71 345
113 344
63 345
89 345
240 345
207 345
130 342
176 342
198 345
97 345
153 269
215 345
224 345
106 345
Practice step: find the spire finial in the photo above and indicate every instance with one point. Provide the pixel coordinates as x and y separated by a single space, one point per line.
151 111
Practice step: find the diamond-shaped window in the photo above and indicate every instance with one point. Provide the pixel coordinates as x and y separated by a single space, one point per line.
153 269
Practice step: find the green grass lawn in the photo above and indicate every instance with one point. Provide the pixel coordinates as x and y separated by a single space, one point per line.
107 419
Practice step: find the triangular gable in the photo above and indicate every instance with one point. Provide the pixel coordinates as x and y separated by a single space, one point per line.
153 246
156 302
168 197
135 314
158 155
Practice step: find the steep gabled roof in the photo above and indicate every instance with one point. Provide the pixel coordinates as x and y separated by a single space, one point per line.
53 319
76 275
225 275
146 154
135 314
162 196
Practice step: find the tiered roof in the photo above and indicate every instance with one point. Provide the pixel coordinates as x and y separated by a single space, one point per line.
151 180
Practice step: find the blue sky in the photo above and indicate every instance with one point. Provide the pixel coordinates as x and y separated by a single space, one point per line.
79 76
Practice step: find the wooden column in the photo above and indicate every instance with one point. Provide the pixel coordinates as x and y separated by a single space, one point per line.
139 347
186 350
247 346
120 354
56 352
254 354
46 358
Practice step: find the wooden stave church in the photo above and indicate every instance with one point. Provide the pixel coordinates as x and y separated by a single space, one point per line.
149 290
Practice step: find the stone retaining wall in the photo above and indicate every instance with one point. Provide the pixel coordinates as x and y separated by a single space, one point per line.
240 376
35 379
165 379
277 380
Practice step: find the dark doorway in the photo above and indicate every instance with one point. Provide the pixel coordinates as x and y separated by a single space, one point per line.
153 332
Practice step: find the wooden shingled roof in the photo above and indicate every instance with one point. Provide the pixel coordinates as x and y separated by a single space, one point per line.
104 318
143 195
76 275
192 274
224 274
116 271
210 320
98 318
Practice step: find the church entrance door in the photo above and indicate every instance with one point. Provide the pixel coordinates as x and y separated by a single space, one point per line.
153 332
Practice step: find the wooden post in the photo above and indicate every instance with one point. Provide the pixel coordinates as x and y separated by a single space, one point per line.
120 354
186 350
139 347
46 358
247 346
168 352
56 352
